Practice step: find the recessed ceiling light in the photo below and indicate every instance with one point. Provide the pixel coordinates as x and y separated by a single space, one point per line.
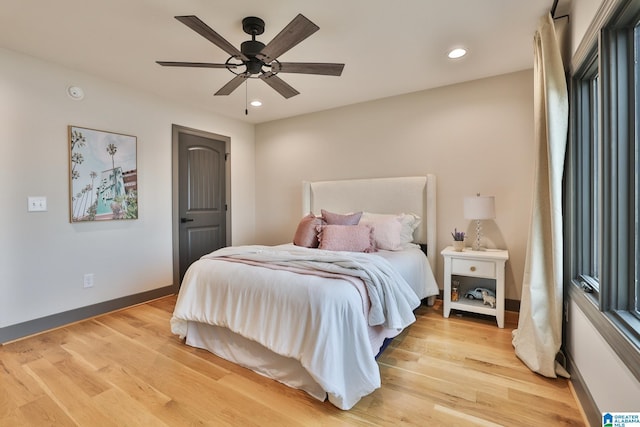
256 103
457 53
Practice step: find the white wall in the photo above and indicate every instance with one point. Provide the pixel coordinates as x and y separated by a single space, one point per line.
611 384
581 15
44 256
475 136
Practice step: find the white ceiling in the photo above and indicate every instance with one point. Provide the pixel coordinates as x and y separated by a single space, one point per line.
389 47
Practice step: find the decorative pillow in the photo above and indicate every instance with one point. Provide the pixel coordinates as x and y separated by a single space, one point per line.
352 238
339 219
307 233
391 231
386 231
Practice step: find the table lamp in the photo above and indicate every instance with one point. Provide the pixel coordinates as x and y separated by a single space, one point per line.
478 208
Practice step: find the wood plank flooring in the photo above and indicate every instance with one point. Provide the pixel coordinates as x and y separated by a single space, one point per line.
126 369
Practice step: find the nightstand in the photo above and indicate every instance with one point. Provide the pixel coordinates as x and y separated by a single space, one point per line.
474 269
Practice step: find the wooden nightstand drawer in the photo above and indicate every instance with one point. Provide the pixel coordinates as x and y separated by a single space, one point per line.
473 267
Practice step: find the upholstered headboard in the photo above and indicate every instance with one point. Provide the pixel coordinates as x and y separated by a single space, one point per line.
415 194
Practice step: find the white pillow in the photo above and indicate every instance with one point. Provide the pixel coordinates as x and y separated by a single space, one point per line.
409 222
391 232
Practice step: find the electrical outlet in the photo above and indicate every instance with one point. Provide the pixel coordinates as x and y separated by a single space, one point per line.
88 280
37 204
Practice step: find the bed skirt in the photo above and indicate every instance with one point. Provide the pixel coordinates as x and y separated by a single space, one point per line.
254 356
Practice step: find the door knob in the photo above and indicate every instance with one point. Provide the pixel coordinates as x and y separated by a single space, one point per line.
183 220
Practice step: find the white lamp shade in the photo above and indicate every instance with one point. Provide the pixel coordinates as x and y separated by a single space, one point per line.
479 207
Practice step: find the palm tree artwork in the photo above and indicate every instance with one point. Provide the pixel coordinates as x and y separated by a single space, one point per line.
101 188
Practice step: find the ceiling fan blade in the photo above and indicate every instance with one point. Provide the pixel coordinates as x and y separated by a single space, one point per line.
325 69
194 64
232 85
279 85
205 31
297 30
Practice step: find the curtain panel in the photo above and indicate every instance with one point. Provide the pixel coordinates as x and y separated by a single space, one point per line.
538 338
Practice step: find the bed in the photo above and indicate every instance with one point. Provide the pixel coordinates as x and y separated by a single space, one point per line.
315 318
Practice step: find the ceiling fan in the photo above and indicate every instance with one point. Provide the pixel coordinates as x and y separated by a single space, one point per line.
257 60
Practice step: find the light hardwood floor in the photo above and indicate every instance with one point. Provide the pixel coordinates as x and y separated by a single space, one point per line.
126 369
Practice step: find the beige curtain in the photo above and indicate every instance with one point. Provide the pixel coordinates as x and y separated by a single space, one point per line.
539 335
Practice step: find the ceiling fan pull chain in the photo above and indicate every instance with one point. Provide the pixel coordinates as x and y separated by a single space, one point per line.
246 97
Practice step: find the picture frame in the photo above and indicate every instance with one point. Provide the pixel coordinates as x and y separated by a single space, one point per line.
103 175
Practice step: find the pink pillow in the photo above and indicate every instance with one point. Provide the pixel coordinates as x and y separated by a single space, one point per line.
386 231
307 233
339 219
352 238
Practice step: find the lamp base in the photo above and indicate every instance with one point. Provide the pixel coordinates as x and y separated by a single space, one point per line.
476 245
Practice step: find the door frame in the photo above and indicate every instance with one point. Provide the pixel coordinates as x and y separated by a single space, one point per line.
176 130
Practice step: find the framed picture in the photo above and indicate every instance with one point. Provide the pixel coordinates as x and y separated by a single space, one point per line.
103 175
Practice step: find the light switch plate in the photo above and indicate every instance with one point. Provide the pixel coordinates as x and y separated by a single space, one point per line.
37 204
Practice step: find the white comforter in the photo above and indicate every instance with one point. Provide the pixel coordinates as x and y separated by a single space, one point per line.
320 321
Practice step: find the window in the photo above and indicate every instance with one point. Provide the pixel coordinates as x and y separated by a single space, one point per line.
594 188
587 188
620 106
635 294
602 184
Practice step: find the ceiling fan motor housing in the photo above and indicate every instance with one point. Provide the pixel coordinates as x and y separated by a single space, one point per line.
250 49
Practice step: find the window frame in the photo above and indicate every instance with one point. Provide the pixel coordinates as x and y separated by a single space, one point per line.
611 299
619 169
586 126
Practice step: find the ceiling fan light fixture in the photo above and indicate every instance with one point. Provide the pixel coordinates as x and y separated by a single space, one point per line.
456 53
256 103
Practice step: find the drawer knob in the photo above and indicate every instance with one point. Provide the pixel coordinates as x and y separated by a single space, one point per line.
472 268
